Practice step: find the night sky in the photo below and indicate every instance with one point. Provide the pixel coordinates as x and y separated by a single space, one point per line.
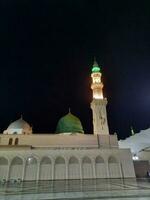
46 54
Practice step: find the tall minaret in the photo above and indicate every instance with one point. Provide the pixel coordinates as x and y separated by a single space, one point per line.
98 104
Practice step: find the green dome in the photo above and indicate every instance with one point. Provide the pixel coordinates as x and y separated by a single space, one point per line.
95 67
69 124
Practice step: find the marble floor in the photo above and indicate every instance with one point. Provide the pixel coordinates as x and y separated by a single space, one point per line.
116 189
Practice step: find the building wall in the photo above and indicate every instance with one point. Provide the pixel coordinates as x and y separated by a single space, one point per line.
53 140
144 155
126 161
65 164
142 168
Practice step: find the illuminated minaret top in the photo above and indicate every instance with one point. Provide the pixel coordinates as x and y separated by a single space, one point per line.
98 104
97 85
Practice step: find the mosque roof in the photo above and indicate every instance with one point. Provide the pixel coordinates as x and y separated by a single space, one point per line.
137 142
69 124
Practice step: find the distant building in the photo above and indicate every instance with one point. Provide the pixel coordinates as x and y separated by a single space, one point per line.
69 154
139 143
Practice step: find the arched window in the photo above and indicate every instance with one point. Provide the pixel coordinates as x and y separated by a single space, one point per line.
31 169
86 160
60 160
45 161
87 170
16 168
3 168
74 168
99 159
100 167
73 160
45 169
16 141
60 168
114 171
112 160
10 141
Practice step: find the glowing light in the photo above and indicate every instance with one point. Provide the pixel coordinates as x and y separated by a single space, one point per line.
29 159
96 80
135 157
97 96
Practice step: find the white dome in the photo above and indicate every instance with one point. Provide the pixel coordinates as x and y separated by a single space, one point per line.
19 126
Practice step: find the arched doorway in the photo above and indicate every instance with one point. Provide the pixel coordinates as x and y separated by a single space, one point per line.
114 170
10 141
87 170
3 168
31 169
100 167
16 141
60 168
16 169
73 168
45 169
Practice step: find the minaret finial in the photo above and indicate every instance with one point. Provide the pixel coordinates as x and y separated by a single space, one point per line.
95 67
95 62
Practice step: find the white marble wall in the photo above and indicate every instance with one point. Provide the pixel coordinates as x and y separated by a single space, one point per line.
65 164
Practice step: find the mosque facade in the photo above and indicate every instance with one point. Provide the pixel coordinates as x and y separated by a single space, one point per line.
69 154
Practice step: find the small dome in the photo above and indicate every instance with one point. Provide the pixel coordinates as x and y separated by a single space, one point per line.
69 124
19 124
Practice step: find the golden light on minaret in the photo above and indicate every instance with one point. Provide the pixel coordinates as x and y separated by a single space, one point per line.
98 104
97 85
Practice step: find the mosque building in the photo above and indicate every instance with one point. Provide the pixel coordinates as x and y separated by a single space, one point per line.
139 144
69 154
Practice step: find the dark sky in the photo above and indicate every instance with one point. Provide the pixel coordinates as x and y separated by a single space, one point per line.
46 52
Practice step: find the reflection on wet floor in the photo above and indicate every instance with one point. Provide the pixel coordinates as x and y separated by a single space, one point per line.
77 189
